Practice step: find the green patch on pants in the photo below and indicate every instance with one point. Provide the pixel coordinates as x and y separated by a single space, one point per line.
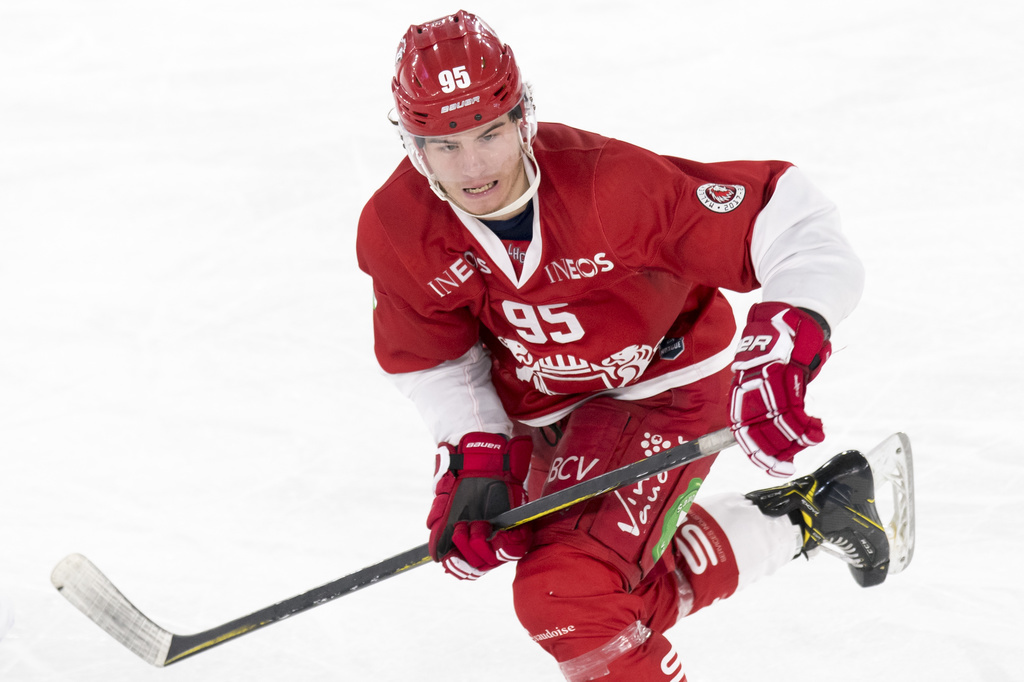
674 516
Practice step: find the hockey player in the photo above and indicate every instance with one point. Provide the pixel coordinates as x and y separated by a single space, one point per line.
550 300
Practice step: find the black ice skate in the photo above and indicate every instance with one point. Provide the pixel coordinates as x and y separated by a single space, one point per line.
836 511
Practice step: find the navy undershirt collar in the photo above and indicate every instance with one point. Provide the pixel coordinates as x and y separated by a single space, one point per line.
516 228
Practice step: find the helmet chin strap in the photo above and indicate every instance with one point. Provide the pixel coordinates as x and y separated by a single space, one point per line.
532 174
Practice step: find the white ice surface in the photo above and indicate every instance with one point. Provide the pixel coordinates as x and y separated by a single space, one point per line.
187 390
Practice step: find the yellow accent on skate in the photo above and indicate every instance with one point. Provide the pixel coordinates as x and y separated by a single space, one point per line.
860 518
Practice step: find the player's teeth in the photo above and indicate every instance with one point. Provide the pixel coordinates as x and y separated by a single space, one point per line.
477 190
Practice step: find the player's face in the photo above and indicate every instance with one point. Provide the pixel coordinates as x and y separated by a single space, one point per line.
481 170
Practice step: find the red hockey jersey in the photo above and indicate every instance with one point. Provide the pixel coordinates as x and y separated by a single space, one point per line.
620 284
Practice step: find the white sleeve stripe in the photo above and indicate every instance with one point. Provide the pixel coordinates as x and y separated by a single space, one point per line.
456 397
799 252
472 396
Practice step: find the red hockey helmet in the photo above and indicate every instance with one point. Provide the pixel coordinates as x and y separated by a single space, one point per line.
453 74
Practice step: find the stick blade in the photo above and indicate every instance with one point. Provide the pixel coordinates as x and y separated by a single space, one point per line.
93 594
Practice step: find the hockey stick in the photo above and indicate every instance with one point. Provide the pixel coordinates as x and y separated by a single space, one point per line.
93 594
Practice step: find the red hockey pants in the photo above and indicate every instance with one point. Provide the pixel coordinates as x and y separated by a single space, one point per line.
599 588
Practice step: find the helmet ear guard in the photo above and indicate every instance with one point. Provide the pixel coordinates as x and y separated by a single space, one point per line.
527 119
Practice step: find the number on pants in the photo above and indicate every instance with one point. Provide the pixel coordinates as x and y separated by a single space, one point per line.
696 549
672 664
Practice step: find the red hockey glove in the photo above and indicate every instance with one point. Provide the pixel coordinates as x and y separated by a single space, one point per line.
473 482
781 350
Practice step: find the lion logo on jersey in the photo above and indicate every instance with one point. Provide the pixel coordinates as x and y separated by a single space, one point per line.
566 374
721 198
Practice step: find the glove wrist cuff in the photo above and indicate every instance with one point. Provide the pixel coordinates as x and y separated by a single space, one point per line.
478 461
822 322
489 454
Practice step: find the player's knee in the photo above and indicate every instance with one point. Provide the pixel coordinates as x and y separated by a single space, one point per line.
578 609
570 602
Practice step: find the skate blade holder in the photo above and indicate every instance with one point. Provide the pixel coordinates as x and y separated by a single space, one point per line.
892 465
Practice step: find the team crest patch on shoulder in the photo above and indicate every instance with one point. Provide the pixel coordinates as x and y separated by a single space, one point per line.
721 198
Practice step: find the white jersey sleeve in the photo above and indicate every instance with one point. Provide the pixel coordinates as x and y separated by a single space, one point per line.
800 255
456 397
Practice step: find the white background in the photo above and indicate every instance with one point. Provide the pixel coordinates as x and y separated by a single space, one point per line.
188 394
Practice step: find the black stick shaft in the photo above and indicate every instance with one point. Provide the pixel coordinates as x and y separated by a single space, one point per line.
183 646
